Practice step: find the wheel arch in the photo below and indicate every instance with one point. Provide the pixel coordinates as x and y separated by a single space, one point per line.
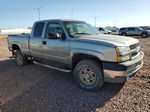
144 33
15 47
123 33
78 56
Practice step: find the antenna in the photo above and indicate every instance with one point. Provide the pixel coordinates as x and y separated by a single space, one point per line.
39 10
95 18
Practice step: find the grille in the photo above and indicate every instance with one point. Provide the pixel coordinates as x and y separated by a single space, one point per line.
134 54
134 46
135 49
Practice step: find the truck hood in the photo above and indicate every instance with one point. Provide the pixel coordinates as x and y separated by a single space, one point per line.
112 39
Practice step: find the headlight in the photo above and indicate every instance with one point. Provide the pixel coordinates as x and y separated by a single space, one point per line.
123 54
122 50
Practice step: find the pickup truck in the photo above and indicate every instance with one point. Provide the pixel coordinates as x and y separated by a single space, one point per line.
77 47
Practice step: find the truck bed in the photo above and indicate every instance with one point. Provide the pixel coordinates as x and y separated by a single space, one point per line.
21 40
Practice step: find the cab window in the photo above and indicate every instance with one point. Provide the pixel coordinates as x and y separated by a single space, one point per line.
38 30
53 28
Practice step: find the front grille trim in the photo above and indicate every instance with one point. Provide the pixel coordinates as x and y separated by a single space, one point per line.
134 46
134 50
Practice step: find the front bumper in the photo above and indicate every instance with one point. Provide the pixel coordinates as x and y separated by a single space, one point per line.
120 72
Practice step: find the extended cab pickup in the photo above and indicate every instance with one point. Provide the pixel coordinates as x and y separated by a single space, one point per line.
75 46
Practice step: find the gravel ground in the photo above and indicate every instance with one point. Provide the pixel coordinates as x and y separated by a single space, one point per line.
34 88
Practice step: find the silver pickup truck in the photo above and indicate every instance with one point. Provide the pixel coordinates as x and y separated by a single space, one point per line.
75 46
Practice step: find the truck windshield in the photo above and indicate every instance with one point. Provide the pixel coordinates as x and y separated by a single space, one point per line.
80 29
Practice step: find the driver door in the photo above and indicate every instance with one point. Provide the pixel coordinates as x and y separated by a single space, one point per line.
55 49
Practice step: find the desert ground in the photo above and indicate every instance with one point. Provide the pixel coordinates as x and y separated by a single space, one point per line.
33 88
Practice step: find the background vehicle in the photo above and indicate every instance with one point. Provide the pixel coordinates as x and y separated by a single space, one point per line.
104 30
115 32
70 45
134 31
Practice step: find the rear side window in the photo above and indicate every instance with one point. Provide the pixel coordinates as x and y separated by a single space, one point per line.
131 29
122 29
38 29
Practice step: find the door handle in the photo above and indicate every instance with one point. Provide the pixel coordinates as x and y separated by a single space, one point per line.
44 42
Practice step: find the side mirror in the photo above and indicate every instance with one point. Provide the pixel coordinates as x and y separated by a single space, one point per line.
56 36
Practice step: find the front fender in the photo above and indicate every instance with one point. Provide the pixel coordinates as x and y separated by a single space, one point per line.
99 55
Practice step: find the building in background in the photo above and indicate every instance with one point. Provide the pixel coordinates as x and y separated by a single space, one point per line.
15 31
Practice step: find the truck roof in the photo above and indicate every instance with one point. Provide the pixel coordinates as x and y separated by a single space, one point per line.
58 20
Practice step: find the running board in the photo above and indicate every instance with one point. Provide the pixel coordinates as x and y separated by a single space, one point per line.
48 66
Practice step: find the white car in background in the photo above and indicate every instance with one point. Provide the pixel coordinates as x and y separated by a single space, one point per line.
104 30
115 32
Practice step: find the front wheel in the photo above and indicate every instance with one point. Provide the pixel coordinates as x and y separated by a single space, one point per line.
144 35
88 75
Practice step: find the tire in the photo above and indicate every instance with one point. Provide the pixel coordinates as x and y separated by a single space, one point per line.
144 35
109 33
20 59
88 75
124 34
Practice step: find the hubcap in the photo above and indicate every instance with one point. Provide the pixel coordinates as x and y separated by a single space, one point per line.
87 76
144 35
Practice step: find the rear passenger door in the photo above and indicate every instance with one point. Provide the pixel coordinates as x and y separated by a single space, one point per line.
36 40
131 31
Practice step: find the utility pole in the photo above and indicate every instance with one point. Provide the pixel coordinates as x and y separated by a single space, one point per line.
72 11
39 10
126 24
95 18
115 21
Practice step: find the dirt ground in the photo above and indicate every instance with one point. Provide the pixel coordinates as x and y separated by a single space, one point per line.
3 36
33 88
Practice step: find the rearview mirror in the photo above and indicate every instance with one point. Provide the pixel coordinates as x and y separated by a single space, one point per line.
56 35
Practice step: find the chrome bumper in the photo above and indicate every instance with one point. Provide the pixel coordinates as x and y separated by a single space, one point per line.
120 72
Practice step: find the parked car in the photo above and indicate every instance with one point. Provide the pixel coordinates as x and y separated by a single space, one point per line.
115 32
134 31
104 30
76 47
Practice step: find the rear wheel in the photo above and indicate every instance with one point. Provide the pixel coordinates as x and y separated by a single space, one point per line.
88 75
20 59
